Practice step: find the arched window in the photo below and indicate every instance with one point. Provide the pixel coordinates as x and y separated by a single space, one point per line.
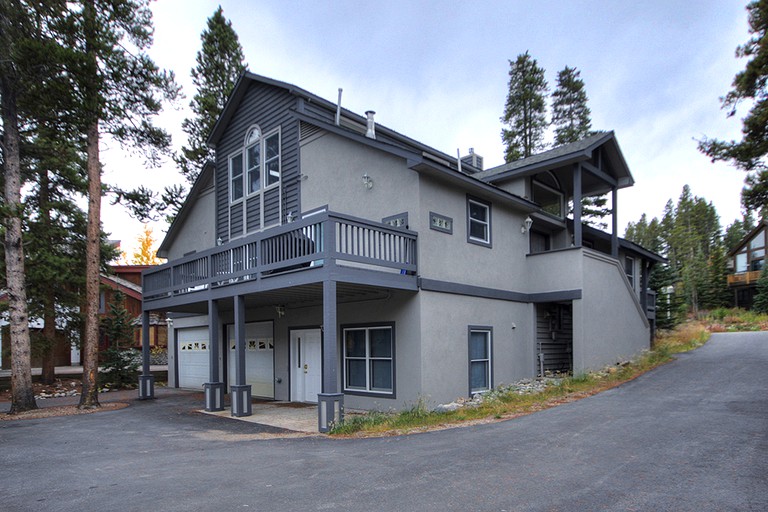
253 159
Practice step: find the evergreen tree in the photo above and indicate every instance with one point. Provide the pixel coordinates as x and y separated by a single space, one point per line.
570 113
736 232
219 65
29 58
525 109
750 86
760 300
571 118
121 90
121 361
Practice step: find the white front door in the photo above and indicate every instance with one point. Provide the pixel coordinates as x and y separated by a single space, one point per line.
306 365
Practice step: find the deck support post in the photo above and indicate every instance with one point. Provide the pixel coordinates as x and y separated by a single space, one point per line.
214 389
240 392
614 223
330 403
577 228
146 379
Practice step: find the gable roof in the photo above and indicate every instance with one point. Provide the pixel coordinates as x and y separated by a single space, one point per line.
420 157
560 156
748 238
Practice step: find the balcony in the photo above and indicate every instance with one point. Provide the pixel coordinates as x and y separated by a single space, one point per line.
744 278
323 240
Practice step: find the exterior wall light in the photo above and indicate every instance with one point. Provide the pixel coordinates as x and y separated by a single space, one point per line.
219 241
527 223
367 181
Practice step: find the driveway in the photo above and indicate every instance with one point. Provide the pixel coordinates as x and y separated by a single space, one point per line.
691 435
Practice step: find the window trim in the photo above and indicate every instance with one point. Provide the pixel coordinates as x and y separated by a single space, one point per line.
536 183
489 340
238 154
343 352
478 241
437 217
629 263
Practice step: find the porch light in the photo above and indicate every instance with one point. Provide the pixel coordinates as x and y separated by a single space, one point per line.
219 241
527 223
280 311
367 181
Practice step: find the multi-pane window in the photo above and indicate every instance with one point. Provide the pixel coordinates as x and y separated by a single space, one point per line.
262 160
478 222
253 163
550 200
272 160
368 359
479 360
236 177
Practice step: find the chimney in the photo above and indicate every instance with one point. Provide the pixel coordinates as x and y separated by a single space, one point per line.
371 133
472 160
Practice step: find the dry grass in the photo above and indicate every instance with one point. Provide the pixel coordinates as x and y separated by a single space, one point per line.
506 404
61 410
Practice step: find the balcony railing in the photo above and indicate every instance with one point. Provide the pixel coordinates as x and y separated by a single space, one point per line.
301 245
744 278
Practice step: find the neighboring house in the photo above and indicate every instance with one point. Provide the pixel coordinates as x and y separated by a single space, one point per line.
326 258
126 279
746 262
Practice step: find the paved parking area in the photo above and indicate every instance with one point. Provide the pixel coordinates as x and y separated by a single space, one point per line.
689 436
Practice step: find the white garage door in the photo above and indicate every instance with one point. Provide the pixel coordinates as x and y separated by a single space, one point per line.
259 359
193 357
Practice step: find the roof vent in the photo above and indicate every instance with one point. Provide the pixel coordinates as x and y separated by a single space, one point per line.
371 132
473 160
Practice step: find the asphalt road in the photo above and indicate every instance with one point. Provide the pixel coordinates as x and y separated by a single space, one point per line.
689 436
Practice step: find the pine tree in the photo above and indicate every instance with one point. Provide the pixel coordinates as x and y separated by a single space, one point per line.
750 86
572 122
525 109
28 59
760 300
121 90
219 65
736 231
570 113
121 362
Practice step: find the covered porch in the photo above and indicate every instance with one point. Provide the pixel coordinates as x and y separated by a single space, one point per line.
316 263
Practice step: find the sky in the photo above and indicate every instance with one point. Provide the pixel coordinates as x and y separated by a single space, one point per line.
437 71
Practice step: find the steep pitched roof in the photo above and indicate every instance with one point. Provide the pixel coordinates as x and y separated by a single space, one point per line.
560 156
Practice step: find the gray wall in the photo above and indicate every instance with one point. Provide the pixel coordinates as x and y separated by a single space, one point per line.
334 169
609 325
445 344
450 257
197 233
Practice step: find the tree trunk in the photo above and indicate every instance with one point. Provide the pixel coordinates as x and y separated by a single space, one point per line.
90 395
22 393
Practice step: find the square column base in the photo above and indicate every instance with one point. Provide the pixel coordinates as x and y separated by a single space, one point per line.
330 410
146 387
241 400
214 396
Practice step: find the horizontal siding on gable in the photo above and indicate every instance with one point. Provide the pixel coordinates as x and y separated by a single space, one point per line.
253 217
272 206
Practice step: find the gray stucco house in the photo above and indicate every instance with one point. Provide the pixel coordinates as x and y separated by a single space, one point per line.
325 258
